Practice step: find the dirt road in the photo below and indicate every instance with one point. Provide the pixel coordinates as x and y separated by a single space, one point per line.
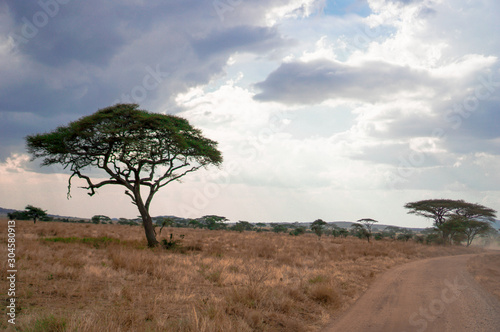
437 294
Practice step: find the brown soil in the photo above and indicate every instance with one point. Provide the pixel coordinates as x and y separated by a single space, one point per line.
436 294
486 270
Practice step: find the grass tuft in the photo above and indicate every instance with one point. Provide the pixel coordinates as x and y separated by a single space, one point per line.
48 324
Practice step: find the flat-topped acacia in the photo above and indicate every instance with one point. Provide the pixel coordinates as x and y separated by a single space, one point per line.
137 149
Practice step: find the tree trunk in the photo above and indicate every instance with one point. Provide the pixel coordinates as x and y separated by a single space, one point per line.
147 222
469 240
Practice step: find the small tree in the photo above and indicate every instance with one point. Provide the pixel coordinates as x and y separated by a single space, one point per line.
368 223
213 222
366 228
317 227
469 228
138 150
360 231
453 227
166 222
34 213
100 219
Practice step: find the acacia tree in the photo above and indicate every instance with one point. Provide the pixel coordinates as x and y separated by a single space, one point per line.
445 213
468 228
318 226
135 149
213 222
99 218
34 212
360 231
368 223
437 209
363 227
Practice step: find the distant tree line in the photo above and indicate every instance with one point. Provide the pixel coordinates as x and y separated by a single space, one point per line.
30 213
454 222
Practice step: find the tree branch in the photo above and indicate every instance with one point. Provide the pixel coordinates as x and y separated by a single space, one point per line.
91 186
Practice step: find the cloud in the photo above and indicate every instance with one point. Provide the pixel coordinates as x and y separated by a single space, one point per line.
240 39
347 98
63 60
316 81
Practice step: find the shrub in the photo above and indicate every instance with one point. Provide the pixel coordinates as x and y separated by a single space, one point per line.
325 294
172 244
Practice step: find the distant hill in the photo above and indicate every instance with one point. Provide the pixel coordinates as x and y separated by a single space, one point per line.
343 224
4 212
376 227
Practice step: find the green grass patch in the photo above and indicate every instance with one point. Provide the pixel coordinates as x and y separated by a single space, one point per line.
49 324
317 279
96 242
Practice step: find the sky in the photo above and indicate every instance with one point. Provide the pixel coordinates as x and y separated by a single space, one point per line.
334 110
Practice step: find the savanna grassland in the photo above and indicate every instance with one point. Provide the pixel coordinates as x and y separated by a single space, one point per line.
87 277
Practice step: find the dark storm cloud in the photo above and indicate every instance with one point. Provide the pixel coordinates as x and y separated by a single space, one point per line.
476 130
71 58
316 81
55 34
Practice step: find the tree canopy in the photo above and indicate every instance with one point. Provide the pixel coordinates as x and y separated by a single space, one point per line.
437 209
135 148
213 222
363 228
318 226
368 223
455 217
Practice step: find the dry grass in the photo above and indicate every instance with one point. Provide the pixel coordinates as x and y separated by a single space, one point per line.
103 278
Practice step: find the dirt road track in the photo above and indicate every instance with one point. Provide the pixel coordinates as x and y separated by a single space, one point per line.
434 295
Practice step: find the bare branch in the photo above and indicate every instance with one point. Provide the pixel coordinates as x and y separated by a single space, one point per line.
129 194
91 186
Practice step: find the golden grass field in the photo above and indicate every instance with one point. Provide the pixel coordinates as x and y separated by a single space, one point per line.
104 278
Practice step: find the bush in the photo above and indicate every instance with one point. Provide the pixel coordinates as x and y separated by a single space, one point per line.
298 231
404 237
419 238
325 294
434 239
172 244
